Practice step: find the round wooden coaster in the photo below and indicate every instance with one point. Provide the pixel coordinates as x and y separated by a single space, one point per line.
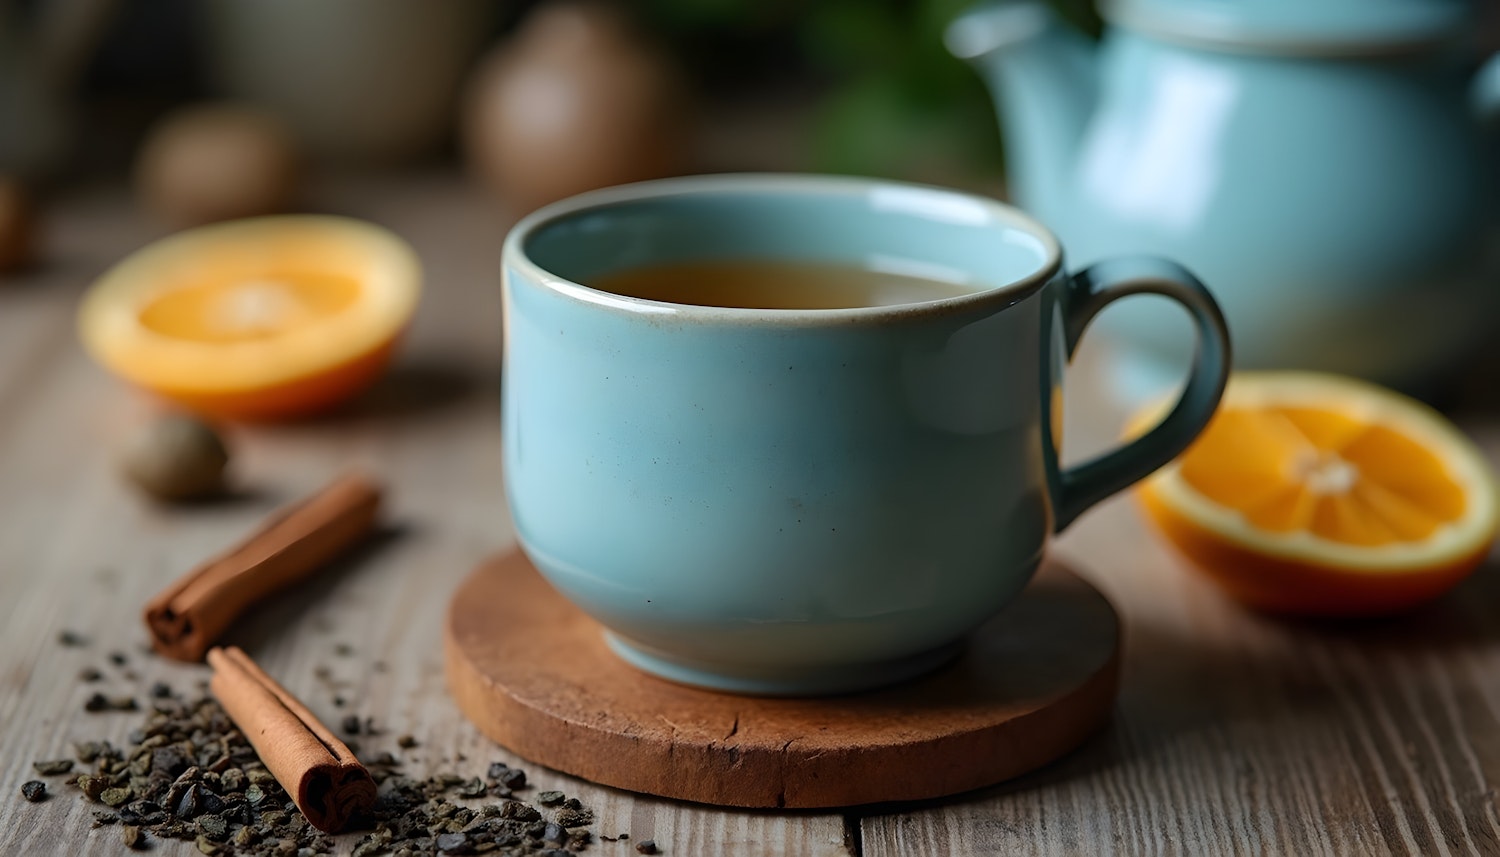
534 673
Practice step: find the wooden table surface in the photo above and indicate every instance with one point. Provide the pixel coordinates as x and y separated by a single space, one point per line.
1234 734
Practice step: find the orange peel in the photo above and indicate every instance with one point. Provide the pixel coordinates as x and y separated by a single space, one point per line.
1322 495
261 318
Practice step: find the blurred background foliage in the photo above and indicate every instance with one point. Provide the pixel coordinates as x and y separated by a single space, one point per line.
869 83
892 101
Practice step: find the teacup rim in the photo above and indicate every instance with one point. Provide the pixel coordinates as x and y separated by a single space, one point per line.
514 254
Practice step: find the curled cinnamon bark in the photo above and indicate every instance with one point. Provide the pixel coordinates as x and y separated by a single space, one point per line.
329 785
187 617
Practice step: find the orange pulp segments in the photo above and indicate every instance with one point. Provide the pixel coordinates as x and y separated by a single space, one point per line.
259 318
1322 495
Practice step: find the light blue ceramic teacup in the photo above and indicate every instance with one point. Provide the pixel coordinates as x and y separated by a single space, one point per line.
805 501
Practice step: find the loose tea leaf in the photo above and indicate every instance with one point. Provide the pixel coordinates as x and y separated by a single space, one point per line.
575 818
647 846
88 751
514 778
214 827
53 768
34 791
115 796
93 787
98 702
473 788
72 639
188 774
131 835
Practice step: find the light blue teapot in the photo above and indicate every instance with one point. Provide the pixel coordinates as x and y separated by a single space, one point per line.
1329 166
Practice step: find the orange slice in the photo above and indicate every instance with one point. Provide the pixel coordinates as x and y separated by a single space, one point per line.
1322 495
263 318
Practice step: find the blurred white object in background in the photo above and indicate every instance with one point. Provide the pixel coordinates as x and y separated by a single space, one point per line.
368 81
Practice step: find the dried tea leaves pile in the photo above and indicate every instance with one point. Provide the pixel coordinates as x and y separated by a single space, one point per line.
189 774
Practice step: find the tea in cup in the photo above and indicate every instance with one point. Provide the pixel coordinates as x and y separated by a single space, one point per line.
795 434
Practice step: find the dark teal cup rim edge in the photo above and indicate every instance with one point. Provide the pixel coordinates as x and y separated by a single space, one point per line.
783 184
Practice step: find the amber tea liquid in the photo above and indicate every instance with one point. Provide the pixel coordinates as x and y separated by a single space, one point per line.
755 284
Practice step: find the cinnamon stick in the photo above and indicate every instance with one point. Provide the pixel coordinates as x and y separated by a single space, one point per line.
329 785
186 618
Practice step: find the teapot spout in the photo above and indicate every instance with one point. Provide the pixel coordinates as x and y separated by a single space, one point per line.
1042 75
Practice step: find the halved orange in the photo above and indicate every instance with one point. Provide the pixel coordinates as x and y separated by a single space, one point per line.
262 318
1322 495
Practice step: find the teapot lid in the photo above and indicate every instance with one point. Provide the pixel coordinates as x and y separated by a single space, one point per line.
1296 26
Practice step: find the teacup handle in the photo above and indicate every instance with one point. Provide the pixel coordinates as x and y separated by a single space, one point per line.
1085 294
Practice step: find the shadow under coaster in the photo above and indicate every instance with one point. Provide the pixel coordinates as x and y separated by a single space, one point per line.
534 673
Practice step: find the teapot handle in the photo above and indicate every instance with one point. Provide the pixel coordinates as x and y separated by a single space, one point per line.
1485 91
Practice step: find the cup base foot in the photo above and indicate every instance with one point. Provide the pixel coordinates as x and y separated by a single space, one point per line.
805 681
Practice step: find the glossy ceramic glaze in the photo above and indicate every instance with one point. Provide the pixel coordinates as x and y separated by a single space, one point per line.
1327 166
803 501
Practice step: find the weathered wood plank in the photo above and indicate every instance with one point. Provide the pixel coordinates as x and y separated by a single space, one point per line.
79 550
1235 734
1241 734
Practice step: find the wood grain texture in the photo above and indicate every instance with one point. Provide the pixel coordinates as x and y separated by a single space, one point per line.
1234 734
534 673
80 550
1242 734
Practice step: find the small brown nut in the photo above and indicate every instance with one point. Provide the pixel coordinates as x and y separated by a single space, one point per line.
217 162
17 226
176 457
